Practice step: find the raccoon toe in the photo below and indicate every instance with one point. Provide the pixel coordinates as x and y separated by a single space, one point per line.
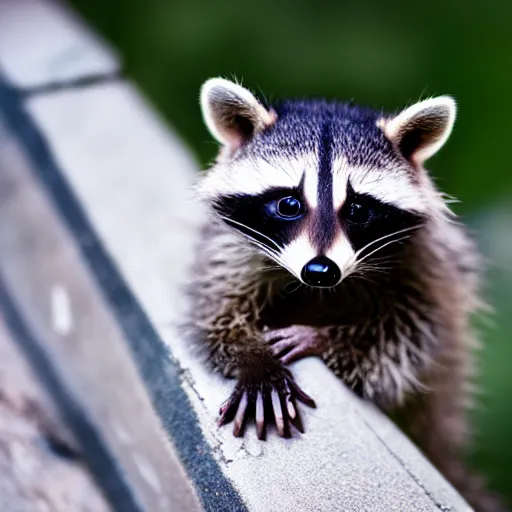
295 342
267 399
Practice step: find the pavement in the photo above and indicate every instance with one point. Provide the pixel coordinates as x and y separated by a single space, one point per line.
41 465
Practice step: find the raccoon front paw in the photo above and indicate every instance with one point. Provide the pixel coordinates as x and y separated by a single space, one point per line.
263 393
295 342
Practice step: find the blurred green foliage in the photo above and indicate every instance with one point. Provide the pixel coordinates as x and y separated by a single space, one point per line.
382 54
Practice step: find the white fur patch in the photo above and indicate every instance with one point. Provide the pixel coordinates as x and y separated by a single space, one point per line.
391 186
396 190
300 251
339 182
297 253
341 252
311 186
255 176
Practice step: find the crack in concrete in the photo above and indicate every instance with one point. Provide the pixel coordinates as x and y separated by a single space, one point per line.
186 376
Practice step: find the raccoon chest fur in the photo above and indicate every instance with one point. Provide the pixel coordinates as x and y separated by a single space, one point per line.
318 309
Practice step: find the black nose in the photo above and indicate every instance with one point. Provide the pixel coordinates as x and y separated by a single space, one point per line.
322 272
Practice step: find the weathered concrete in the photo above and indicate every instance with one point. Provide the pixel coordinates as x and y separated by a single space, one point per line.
35 477
75 345
42 43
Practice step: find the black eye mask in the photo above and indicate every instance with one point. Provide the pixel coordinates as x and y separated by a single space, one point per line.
366 219
273 218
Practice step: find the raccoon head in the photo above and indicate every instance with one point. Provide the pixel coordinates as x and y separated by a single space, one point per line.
322 188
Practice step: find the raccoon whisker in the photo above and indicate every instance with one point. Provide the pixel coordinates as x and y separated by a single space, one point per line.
367 276
382 247
299 285
353 261
271 254
256 232
374 269
371 265
356 255
362 277
355 265
388 258
400 231
270 269
381 262
378 264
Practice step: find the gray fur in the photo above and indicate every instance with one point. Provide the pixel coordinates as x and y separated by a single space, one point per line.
300 126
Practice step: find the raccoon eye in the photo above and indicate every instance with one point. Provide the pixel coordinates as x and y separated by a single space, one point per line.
359 213
288 207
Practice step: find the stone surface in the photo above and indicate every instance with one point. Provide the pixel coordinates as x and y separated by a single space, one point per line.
77 347
42 42
35 478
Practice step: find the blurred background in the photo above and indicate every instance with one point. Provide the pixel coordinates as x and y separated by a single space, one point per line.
377 53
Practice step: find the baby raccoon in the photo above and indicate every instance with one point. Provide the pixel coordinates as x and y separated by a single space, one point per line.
327 237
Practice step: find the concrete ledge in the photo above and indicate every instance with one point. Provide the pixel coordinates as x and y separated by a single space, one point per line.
57 316
114 180
40 462
43 44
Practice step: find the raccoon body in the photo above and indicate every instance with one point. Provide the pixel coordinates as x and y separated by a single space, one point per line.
326 237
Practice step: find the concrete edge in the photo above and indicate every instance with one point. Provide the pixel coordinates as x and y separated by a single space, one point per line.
26 320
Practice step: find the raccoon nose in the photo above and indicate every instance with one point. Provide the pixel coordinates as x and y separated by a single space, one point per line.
321 272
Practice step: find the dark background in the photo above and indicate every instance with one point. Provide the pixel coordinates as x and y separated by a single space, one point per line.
377 53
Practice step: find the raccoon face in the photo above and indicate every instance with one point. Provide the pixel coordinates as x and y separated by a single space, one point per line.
324 189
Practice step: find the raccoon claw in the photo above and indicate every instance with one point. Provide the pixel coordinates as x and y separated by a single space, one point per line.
294 342
276 397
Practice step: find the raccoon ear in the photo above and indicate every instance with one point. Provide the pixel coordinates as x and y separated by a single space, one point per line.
421 130
231 113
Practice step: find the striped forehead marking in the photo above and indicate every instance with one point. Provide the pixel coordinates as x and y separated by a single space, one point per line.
324 222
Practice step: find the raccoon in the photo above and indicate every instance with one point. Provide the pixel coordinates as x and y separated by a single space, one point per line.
325 236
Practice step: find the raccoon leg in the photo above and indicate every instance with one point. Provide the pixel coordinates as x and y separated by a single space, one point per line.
226 294
265 388
358 355
295 342
334 346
